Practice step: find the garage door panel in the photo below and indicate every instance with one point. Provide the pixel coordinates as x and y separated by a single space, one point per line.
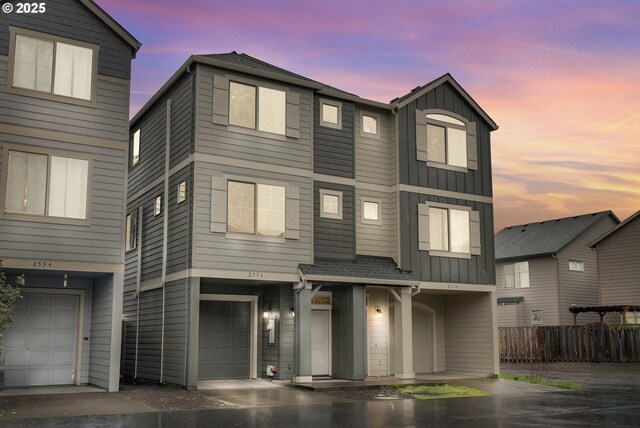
241 339
42 302
15 338
15 377
223 339
241 322
66 319
41 319
39 339
15 357
62 376
62 357
62 303
38 357
63 339
39 376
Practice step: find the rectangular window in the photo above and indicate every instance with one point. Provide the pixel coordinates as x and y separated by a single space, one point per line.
576 265
182 191
157 208
446 140
331 204
459 231
449 230
135 148
330 114
516 275
51 66
633 317
371 210
369 124
47 185
263 215
131 232
439 229
436 151
260 108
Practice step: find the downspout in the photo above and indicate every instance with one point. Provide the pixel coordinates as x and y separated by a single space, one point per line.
165 231
138 279
188 281
555 256
394 112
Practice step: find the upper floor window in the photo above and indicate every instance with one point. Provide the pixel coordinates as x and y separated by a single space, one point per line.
46 183
370 125
135 148
331 204
330 113
131 231
371 211
256 209
447 230
182 191
576 265
52 65
445 141
157 206
258 108
516 275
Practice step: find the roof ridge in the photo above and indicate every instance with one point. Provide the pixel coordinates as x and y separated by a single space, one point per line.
558 219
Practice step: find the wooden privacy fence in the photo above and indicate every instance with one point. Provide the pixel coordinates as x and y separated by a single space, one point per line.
594 343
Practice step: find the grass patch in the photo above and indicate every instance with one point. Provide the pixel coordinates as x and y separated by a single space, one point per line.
540 380
430 392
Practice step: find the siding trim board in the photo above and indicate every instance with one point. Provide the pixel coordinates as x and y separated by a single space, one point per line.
66 137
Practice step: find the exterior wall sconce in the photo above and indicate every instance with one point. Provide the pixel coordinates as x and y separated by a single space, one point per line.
378 311
267 312
292 312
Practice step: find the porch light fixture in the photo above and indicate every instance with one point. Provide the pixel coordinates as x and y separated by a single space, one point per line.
292 312
64 282
378 310
267 312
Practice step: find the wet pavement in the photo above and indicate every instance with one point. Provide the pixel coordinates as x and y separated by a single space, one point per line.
605 407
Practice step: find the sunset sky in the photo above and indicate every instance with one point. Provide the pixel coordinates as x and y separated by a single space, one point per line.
561 78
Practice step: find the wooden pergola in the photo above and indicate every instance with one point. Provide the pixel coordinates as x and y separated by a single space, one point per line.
603 310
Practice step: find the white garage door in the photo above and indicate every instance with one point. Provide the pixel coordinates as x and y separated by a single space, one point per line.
40 345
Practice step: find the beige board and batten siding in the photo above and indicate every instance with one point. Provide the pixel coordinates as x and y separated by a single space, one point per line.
214 250
619 265
469 333
581 288
107 120
542 292
246 144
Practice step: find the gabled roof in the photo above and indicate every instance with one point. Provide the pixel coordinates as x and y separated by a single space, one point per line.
421 90
113 24
615 229
369 269
543 238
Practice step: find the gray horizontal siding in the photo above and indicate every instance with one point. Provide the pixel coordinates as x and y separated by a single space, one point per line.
334 238
150 334
253 146
181 120
416 172
375 160
216 251
101 242
333 149
176 319
178 239
377 239
108 119
71 19
477 270
101 323
129 333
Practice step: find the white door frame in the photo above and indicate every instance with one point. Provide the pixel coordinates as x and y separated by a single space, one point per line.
77 374
429 311
253 346
326 308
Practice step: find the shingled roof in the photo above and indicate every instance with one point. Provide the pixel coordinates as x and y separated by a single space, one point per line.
367 268
543 238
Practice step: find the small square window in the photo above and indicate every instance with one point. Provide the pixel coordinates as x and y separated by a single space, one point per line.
371 211
182 191
331 114
331 204
157 209
135 148
369 124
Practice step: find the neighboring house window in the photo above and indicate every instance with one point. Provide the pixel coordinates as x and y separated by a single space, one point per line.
633 317
157 209
445 141
258 108
371 211
576 265
331 204
131 231
53 65
182 191
516 275
448 230
330 114
255 209
135 148
42 183
537 317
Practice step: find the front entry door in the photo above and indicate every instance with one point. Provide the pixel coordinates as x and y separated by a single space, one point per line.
320 342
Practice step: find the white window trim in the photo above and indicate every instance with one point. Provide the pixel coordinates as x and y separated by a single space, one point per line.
182 197
136 136
441 253
332 193
516 283
157 205
337 104
257 85
13 31
369 134
363 220
47 152
131 231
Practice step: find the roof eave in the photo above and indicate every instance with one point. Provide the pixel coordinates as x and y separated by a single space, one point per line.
448 78
113 24
526 256
356 99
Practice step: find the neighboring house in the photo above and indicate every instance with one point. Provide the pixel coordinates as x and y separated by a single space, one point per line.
543 268
274 220
619 267
64 97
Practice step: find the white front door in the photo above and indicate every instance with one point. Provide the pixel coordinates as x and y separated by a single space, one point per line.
40 344
422 342
320 342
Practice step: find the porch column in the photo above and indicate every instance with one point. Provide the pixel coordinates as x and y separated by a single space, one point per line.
116 331
302 334
404 335
193 333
